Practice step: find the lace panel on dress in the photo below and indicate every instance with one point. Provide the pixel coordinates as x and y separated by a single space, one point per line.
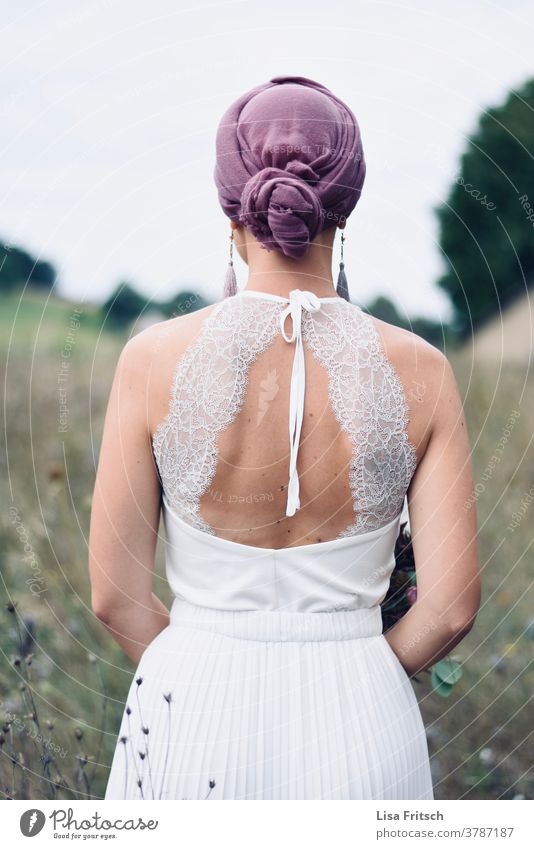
368 400
365 392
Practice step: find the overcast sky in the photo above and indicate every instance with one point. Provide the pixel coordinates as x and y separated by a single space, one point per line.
110 107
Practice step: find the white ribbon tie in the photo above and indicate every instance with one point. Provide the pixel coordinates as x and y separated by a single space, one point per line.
298 300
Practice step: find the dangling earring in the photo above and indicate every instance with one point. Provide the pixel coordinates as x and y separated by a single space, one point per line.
342 288
230 282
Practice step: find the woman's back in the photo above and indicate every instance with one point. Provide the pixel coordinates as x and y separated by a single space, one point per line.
223 447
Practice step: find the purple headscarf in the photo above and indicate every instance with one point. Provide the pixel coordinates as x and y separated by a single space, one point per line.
289 162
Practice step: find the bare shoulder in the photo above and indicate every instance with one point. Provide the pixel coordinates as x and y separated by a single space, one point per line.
148 360
168 337
411 353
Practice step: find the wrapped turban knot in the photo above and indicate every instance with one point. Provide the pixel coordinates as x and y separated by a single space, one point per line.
289 162
282 208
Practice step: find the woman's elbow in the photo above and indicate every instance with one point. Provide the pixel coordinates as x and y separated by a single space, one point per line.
102 612
460 625
464 611
104 608
107 598
113 607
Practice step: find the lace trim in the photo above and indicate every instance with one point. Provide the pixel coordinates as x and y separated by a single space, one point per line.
366 394
383 460
205 401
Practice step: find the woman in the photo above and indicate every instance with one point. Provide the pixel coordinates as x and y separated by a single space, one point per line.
279 431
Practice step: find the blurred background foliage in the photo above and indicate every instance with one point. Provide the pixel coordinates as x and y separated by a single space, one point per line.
485 239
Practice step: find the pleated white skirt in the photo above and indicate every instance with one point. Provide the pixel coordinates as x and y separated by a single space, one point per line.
269 704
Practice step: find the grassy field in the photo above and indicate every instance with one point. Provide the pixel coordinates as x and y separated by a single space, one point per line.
63 679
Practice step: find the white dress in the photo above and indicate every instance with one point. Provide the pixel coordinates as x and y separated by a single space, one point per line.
273 679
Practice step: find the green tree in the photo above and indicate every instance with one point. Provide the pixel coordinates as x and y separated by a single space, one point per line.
124 305
486 236
18 268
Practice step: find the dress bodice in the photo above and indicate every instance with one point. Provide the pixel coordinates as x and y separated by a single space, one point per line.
366 396
349 573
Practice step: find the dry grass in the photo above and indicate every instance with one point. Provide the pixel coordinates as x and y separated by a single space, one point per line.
481 738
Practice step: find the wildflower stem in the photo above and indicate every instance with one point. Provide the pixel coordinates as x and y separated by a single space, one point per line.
168 700
133 756
143 726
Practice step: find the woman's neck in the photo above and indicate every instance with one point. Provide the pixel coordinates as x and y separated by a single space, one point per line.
277 283
270 271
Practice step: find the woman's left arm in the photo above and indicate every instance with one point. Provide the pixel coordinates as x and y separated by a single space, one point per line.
126 510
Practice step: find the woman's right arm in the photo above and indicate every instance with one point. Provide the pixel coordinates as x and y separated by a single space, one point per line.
443 525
